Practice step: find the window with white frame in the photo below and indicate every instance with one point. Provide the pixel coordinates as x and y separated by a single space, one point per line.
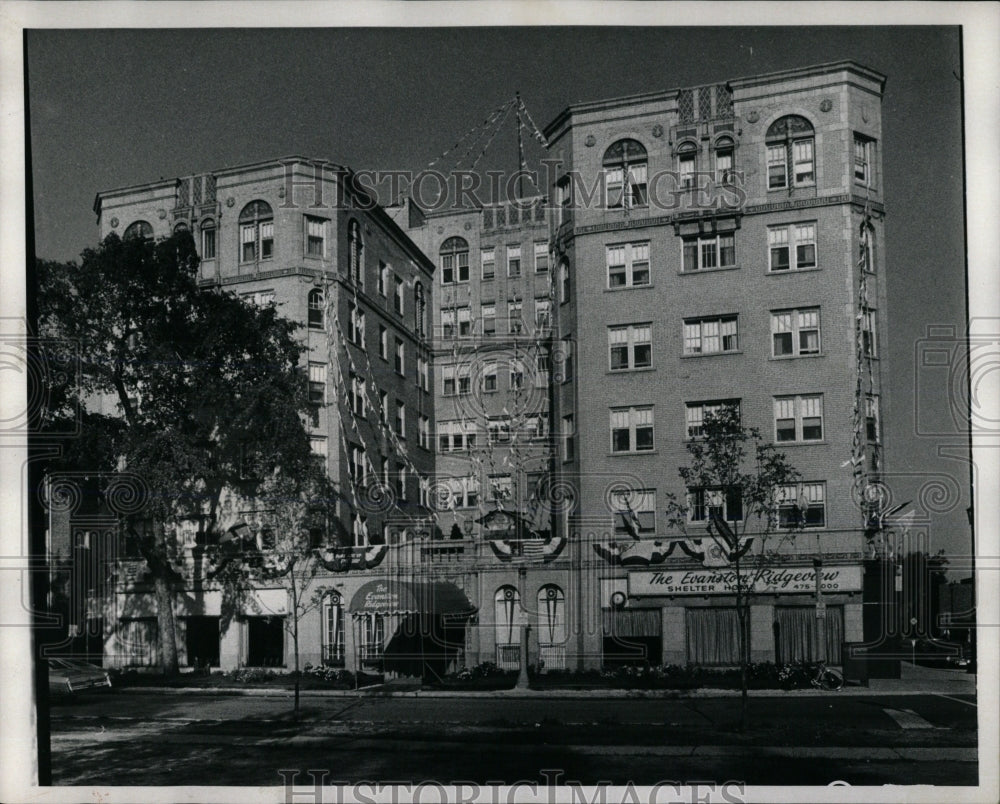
869 322
705 336
798 418
802 504
792 247
498 429
448 380
489 378
543 364
333 629
400 364
543 314
516 375
501 487
383 398
632 429
401 481
454 261
563 282
568 438
488 261
634 512
628 265
384 272
725 503
873 427
397 296
464 321
256 232
625 178
260 298
318 445
357 394
687 156
725 149
464 380
317 383
358 465
514 260
315 236
790 145
464 492
515 323
383 342
863 152
448 323
317 309
456 436
567 358
488 314
630 347
208 240
371 627
424 432
423 374
356 317
709 251
795 332
541 257
695 413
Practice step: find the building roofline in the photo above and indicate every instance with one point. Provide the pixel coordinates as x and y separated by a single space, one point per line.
606 103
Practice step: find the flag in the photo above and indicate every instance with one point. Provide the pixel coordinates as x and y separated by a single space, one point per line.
533 549
630 520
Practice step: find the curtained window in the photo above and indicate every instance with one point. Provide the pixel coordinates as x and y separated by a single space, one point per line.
796 634
551 615
139 640
713 636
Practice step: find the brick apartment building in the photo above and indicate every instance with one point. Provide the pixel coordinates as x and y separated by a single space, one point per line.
540 372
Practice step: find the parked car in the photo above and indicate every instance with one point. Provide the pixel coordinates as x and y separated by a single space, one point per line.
71 675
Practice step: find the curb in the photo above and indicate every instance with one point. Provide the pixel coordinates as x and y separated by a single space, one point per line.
377 692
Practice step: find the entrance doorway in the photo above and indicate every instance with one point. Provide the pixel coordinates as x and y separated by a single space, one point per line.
265 642
202 641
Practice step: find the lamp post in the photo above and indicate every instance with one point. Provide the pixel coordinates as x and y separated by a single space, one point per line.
522 678
820 611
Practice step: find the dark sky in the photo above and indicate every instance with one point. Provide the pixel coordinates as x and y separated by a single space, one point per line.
111 108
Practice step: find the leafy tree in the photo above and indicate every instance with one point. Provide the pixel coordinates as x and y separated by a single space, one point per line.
741 477
194 390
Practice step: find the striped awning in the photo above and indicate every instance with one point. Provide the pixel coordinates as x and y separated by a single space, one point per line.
389 596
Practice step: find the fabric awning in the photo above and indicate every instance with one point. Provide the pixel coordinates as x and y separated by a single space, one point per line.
388 596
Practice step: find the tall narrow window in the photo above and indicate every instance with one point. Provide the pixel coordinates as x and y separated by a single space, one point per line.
256 232
419 310
317 313
514 321
724 150
625 174
488 260
563 282
315 237
317 383
568 438
790 144
208 240
687 155
397 297
872 427
513 260
355 253
863 149
454 261
541 257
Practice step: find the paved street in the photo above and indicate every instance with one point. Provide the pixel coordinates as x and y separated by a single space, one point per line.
128 737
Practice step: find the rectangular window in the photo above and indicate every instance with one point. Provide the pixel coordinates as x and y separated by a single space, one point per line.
802 161
634 512
400 365
208 243
541 257
795 332
516 375
464 322
798 418
383 342
696 412
543 314
802 504
488 313
498 430
724 165
501 487
383 398
777 168
260 298
872 427
357 395
400 422
713 251
490 378
384 272
464 380
315 236
632 429
514 322
567 358
488 259
356 317
792 247
513 260
628 265
317 383
448 323
869 343
401 482
317 444
423 374
703 502
397 297
630 347
357 464
448 379
563 283
542 366
863 148
568 438
685 170
703 336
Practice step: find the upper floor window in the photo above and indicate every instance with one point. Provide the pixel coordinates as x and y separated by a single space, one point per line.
863 152
695 413
802 504
798 418
315 237
628 265
795 332
543 314
317 383
873 428
632 429
869 342
356 333
709 251
208 240
355 253
316 309
630 347
383 342
868 248
792 247
399 363
140 229
563 282
724 503
397 296
454 261
725 150
625 174
711 335
384 272
515 324
687 157
790 158
419 310
488 260
634 512
541 257
256 232
514 260
568 438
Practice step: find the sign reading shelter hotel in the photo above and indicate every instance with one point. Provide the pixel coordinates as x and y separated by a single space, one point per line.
777 580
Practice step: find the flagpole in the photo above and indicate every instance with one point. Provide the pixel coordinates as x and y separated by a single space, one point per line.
520 150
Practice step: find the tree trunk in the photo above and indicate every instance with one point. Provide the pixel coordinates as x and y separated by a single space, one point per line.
295 637
741 616
166 624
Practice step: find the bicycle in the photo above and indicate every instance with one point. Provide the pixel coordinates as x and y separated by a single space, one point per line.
827 678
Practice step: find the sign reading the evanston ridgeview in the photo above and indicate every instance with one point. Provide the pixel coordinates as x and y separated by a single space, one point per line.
775 580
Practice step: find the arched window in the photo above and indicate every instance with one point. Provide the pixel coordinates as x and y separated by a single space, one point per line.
256 232
355 253
419 310
208 240
333 629
625 174
551 620
508 618
790 153
139 229
687 162
454 261
180 227
725 151
316 309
